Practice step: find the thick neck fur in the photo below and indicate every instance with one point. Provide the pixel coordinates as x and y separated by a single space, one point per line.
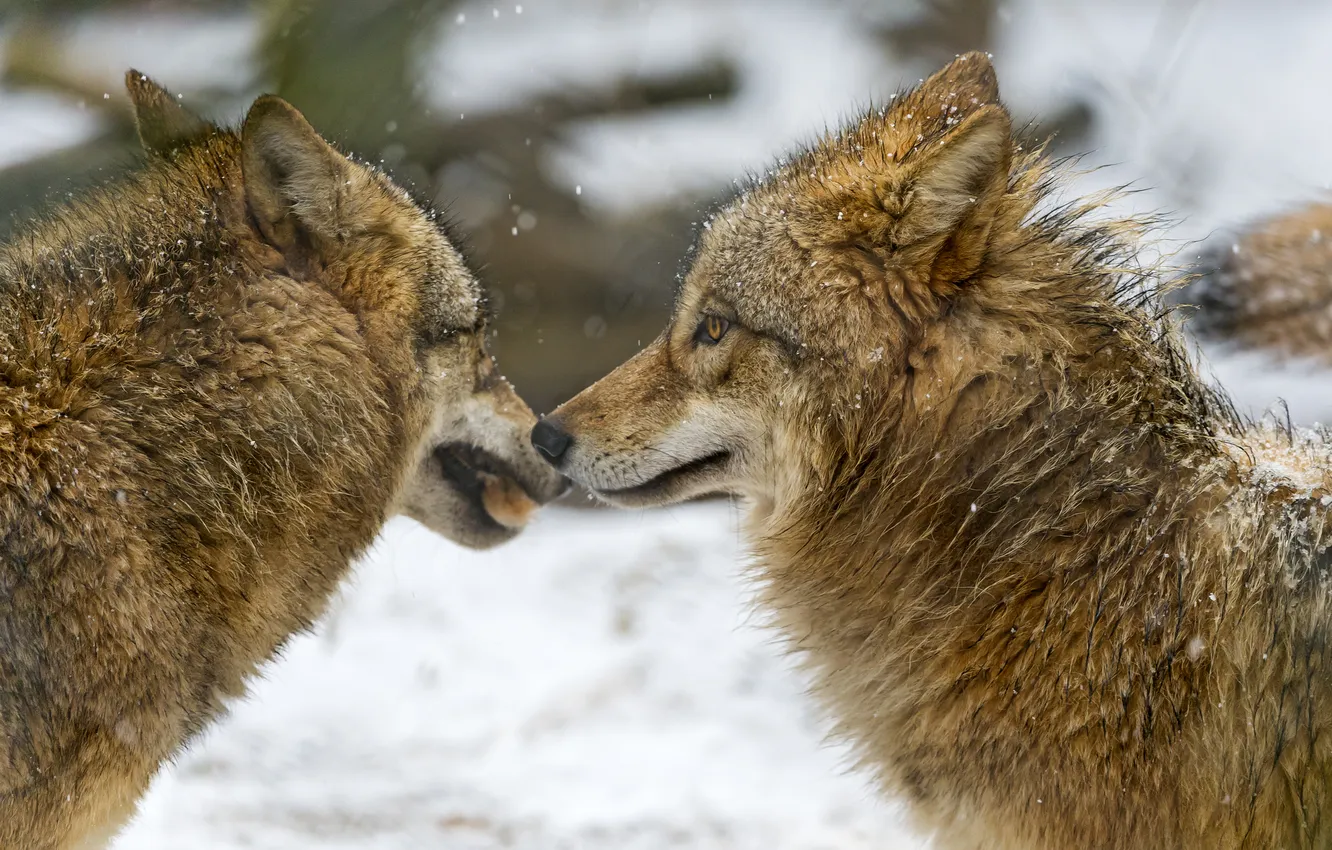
1030 523
155 350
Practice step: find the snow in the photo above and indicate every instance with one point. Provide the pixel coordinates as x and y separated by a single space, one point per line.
1202 104
182 50
185 51
1260 386
802 68
601 682
37 123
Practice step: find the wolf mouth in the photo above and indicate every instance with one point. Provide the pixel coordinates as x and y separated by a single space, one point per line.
467 467
660 484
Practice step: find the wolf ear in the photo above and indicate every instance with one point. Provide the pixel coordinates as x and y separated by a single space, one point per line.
295 182
954 185
968 81
953 196
918 187
164 125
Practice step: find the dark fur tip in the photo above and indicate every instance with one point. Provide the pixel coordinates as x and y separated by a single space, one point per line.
973 71
1212 305
270 104
139 84
164 125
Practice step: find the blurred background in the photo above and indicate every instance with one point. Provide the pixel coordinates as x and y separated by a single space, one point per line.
576 142
602 683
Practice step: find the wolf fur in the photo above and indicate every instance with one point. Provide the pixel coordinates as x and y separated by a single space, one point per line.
1267 287
1051 587
218 378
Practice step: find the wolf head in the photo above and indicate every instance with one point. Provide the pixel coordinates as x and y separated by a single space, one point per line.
808 291
326 221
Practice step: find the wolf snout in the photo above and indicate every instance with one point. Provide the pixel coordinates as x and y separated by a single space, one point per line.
551 440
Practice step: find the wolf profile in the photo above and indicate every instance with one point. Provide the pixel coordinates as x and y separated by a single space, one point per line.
219 376
1055 591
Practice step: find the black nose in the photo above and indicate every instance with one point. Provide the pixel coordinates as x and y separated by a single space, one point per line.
551 440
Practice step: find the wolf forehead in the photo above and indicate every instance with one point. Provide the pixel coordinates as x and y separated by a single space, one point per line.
745 264
379 248
862 209
450 294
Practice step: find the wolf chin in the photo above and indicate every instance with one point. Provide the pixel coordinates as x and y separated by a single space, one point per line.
218 378
1051 587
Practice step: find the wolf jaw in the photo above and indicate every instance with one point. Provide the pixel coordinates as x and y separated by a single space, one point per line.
1051 587
694 477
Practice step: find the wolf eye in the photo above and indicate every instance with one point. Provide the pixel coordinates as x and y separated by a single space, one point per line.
711 330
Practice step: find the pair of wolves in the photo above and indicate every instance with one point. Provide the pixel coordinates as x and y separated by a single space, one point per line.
1053 589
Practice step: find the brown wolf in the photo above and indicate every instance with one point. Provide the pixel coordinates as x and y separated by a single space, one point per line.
1050 586
1269 287
218 378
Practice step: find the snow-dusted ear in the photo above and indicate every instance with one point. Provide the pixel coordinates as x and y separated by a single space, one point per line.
295 182
953 195
164 125
917 186
968 81
952 177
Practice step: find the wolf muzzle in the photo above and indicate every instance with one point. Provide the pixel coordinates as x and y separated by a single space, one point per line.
551 441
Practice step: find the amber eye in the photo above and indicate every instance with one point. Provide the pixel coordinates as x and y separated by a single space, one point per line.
711 330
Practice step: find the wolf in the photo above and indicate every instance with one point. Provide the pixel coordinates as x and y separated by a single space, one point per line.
1267 287
1047 582
219 376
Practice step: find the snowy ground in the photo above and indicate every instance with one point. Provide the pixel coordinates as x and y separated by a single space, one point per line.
601 683
598 684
